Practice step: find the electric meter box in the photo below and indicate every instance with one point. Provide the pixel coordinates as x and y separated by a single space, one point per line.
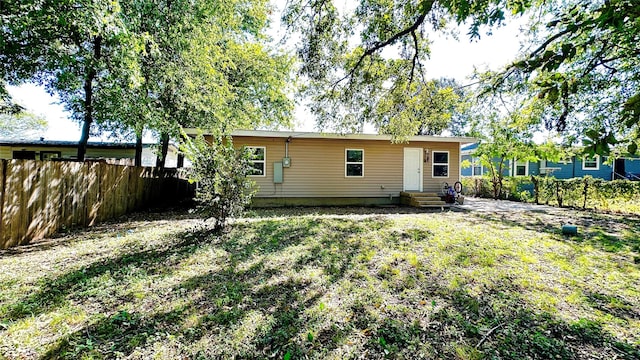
286 162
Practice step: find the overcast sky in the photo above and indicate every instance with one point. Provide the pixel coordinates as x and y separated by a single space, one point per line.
449 58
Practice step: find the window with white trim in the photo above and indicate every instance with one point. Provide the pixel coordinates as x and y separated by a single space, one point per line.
258 160
521 168
476 166
591 163
354 163
547 168
440 164
48 155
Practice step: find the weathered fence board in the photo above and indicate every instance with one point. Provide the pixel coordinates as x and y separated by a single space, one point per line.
39 198
2 181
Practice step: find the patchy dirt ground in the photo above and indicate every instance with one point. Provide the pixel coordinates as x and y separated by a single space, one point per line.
606 228
530 216
336 283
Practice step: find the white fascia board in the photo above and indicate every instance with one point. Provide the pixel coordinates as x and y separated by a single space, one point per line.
315 135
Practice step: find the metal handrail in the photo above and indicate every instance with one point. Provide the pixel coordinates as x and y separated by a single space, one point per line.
618 175
627 176
633 177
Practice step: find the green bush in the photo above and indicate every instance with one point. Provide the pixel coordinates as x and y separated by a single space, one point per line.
224 189
518 188
512 187
477 186
585 192
588 192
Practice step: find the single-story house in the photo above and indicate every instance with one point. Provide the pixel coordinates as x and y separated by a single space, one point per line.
51 149
576 166
307 168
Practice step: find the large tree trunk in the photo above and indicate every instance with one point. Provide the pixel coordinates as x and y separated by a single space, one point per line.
88 99
139 129
180 162
138 159
164 148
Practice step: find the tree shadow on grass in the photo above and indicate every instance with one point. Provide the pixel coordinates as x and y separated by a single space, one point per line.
231 293
123 225
116 335
346 211
209 308
54 292
121 333
606 232
271 236
613 305
226 295
516 332
493 324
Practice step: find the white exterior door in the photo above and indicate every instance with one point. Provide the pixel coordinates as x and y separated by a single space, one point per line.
412 169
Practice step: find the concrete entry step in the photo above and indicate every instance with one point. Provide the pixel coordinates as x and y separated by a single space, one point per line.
421 203
426 198
418 193
443 206
422 199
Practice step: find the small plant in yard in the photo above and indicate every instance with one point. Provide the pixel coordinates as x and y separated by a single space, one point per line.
221 172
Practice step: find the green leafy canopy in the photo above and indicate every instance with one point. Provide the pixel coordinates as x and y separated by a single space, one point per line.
583 65
133 65
364 64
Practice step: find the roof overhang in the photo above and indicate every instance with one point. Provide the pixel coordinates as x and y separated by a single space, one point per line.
66 144
74 144
316 135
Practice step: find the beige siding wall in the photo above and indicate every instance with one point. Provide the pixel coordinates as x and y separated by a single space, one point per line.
318 167
6 152
109 153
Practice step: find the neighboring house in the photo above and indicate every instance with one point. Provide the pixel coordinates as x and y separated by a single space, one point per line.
577 166
477 169
302 168
48 150
149 156
620 168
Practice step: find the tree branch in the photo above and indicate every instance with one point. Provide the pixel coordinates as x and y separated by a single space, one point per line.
486 336
381 44
415 56
548 42
578 28
596 60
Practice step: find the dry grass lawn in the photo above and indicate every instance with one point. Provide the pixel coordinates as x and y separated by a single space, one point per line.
333 283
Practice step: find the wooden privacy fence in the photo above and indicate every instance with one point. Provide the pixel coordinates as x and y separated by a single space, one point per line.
38 198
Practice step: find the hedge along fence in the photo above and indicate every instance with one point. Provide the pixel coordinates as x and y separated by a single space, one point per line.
39 198
586 192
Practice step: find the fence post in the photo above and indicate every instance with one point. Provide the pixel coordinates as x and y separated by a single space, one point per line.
39 198
536 188
586 188
3 180
558 194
